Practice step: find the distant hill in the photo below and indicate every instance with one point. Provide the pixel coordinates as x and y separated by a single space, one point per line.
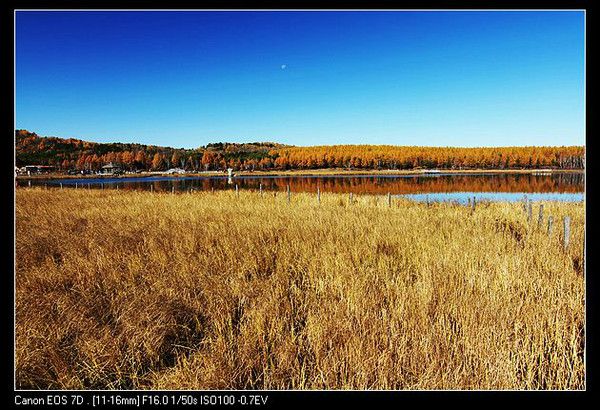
31 149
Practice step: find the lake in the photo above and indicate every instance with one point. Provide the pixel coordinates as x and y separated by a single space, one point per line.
433 187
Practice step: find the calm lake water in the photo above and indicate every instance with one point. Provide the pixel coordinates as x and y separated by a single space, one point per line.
434 187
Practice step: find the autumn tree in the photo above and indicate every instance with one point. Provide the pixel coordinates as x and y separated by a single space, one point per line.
140 160
208 159
158 162
175 159
127 159
81 162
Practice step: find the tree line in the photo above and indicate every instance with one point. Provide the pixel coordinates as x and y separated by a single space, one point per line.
399 157
68 154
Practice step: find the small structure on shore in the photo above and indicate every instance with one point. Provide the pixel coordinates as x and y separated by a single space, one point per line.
110 169
34 169
175 171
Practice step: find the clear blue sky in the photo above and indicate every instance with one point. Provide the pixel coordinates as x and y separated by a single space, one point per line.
185 79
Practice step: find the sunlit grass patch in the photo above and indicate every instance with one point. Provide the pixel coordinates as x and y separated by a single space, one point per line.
216 290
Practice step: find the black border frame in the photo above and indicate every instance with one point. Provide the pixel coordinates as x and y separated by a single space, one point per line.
307 397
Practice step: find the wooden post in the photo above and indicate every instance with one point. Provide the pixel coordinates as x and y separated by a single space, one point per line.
117 187
389 200
75 184
288 193
318 195
260 189
350 199
427 199
567 231
61 185
583 247
237 192
474 204
529 211
29 183
550 220
541 216
102 185
525 203
151 187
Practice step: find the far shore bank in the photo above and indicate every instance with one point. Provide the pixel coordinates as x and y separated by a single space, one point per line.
308 172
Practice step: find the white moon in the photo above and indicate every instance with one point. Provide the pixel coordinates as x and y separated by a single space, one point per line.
283 66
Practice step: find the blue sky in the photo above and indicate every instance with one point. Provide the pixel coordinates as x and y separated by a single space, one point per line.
185 79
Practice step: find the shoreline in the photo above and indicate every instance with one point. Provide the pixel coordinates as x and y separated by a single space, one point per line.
311 172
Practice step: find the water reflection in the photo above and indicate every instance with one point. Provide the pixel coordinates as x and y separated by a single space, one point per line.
380 184
467 197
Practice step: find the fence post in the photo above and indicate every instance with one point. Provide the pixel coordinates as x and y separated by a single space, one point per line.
541 216
583 247
525 203
237 192
427 199
61 185
318 195
474 204
389 200
350 198
151 187
529 210
260 189
173 189
567 231
550 220
75 184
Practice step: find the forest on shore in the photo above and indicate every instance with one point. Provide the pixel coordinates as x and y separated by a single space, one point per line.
69 153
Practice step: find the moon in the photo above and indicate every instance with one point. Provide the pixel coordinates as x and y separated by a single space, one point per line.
283 66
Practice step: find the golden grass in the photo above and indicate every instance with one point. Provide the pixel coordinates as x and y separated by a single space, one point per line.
205 290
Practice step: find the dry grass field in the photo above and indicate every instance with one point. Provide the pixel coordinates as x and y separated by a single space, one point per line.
204 290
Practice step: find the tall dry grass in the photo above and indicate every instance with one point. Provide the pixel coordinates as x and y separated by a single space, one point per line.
210 290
